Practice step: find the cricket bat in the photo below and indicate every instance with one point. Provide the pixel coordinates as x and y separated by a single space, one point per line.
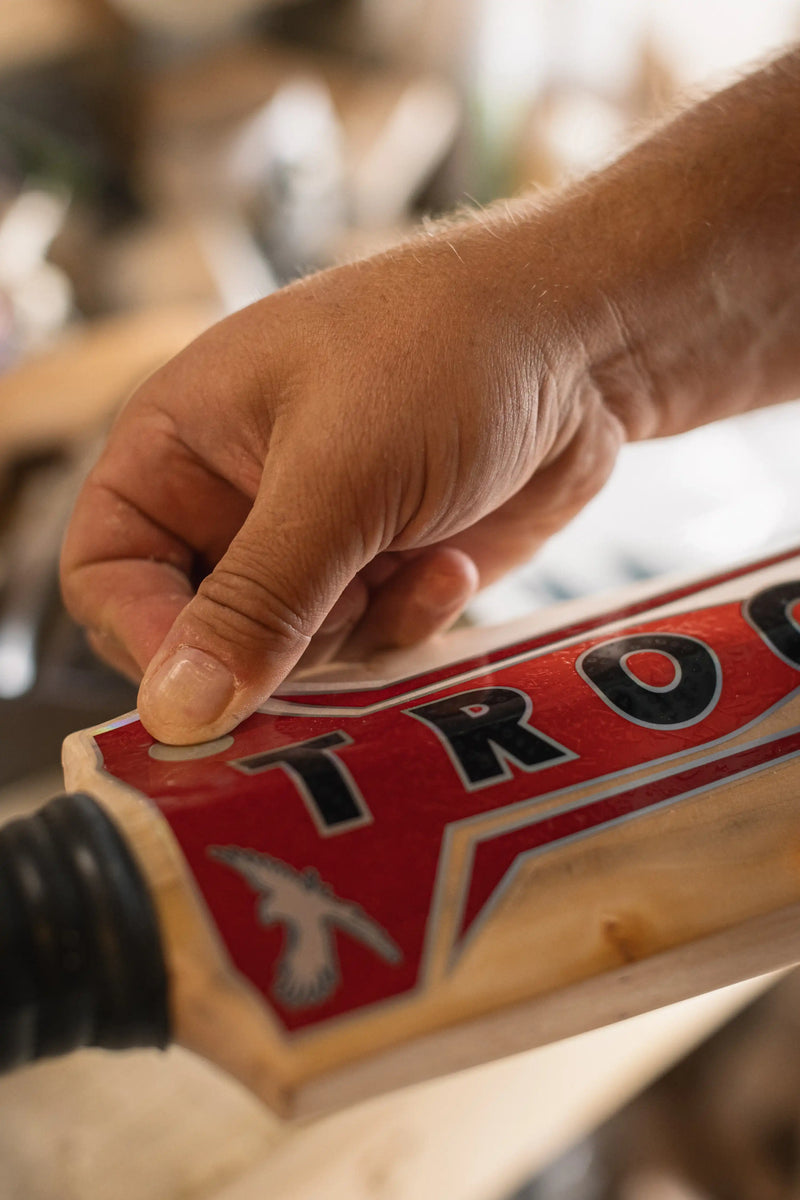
395 871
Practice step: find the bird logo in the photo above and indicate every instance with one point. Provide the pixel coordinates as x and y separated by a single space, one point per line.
308 967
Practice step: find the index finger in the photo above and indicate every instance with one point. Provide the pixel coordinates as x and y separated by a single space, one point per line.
150 518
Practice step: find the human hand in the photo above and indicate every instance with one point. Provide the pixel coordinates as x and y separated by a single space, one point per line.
341 464
338 467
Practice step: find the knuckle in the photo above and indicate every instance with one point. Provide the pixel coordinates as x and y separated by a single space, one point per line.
251 613
595 459
77 593
587 460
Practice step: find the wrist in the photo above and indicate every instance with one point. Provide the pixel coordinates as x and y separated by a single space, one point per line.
569 310
671 275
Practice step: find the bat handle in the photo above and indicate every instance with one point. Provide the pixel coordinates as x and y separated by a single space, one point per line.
81 960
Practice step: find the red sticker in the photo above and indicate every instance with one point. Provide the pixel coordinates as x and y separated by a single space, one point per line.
319 842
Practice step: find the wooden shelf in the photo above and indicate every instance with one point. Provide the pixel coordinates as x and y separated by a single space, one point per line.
35 31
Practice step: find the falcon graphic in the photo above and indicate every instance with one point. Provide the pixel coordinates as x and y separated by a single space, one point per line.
308 967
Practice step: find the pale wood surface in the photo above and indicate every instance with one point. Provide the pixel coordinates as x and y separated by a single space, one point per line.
144 1126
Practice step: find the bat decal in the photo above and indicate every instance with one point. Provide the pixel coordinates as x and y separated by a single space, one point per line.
308 968
422 802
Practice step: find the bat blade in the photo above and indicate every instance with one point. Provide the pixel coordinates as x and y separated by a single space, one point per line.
555 828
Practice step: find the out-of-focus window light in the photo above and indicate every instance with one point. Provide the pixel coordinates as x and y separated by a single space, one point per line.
511 49
522 43
705 39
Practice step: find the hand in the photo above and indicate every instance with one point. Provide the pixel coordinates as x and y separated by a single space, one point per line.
338 467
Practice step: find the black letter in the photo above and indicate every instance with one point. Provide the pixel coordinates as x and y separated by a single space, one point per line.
770 611
484 728
325 784
690 696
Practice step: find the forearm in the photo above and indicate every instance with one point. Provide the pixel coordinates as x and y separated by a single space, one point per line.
678 266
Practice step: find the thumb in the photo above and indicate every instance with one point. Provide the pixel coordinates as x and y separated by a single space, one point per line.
254 615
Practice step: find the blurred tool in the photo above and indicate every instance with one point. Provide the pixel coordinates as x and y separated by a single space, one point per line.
30 550
38 294
287 165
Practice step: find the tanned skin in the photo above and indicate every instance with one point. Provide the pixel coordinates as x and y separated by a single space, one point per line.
347 460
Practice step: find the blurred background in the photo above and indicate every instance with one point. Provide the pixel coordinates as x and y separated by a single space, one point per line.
163 162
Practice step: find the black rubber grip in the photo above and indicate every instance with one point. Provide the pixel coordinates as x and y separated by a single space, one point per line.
81 958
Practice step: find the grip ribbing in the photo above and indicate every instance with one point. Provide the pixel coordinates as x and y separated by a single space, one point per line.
81 960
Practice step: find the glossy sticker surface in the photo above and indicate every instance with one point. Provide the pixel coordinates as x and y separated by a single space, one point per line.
318 837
